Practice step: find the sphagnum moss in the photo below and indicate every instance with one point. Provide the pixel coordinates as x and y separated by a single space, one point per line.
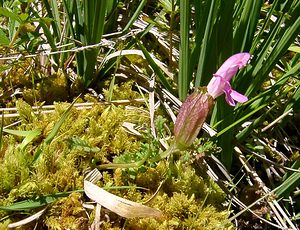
99 139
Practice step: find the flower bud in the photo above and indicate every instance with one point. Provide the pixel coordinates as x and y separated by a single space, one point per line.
191 116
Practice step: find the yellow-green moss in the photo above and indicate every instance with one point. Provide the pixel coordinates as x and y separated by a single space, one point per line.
67 213
96 136
48 89
183 212
122 92
14 168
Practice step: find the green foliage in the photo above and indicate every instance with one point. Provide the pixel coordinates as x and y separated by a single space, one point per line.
28 135
67 142
217 36
60 165
290 182
81 145
86 21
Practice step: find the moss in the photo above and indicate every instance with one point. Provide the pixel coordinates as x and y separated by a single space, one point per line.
54 88
188 182
122 92
96 136
18 74
25 111
151 178
67 213
183 212
48 89
14 168
118 141
36 87
4 224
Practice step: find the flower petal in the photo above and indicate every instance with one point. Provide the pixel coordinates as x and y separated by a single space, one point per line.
227 91
229 99
215 86
238 97
232 65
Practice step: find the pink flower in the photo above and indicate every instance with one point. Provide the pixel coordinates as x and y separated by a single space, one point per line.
220 84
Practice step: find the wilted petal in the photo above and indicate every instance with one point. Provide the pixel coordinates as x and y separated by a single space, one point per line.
121 206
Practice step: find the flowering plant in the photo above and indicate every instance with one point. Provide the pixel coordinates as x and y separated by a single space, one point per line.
196 107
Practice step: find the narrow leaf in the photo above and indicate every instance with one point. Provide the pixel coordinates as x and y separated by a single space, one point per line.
57 126
3 38
29 135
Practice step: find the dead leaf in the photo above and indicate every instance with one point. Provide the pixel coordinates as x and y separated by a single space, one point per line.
118 205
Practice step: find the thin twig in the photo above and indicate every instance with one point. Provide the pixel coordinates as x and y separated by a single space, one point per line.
103 42
79 106
266 160
277 120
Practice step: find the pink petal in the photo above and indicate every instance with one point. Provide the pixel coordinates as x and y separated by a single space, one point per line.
227 91
232 65
238 97
215 86
229 99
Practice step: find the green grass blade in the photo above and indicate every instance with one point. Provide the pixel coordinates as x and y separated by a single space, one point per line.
3 38
272 49
134 16
294 102
94 19
52 133
9 14
57 126
246 21
156 69
292 180
36 203
29 135
240 120
265 97
224 116
201 14
53 13
201 71
1 131
184 54
48 199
